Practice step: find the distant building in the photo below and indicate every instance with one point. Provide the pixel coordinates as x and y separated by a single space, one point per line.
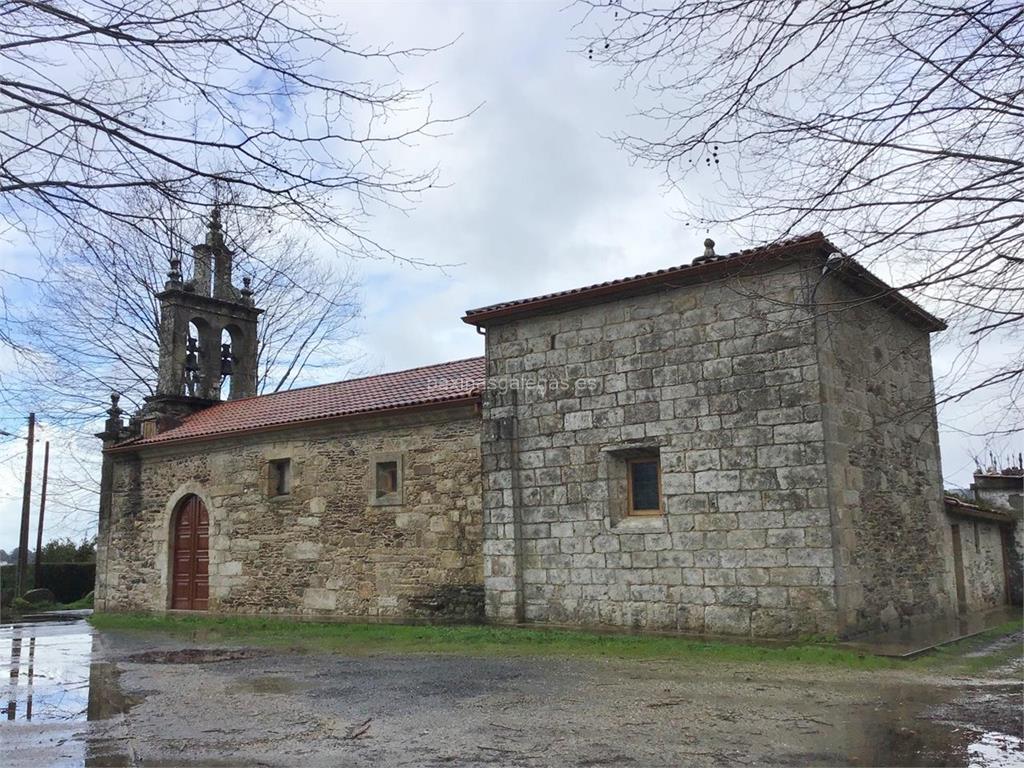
994 507
1001 489
746 444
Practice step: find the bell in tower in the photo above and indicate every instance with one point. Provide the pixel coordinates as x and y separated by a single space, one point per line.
192 378
208 342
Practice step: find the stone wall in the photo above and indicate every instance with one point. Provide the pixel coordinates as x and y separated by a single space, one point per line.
1006 493
323 549
981 548
894 551
722 379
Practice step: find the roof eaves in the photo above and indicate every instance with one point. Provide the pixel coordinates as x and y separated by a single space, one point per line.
854 274
890 297
963 508
638 284
136 444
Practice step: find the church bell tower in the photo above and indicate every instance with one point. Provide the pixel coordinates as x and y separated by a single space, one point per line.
208 343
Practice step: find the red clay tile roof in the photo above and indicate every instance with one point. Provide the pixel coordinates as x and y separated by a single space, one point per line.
417 387
717 266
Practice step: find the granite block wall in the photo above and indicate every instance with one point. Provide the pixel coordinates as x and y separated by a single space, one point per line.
722 381
323 549
893 546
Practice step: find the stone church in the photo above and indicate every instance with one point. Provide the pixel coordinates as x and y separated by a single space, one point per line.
745 444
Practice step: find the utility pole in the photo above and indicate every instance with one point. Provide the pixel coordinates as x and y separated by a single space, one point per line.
26 511
42 509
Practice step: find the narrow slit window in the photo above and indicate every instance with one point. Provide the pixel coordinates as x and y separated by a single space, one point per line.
644 485
387 478
280 477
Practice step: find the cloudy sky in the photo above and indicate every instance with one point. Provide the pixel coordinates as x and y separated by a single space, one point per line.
536 198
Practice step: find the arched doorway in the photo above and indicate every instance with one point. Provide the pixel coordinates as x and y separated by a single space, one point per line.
190 585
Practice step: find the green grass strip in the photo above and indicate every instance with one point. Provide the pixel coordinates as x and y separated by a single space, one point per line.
483 640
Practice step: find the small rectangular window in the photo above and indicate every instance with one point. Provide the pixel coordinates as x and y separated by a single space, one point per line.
387 478
644 486
280 477
384 480
977 537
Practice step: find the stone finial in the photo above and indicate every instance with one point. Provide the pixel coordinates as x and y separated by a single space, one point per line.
246 291
114 426
215 233
709 253
174 274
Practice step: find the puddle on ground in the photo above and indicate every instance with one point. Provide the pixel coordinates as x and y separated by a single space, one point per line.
914 639
62 706
51 675
996 750
52 689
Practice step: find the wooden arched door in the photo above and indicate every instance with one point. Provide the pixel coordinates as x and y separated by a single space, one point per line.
190 585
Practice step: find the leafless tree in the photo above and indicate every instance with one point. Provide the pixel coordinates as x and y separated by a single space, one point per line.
241 98
95 325
94 330
122 122
898 125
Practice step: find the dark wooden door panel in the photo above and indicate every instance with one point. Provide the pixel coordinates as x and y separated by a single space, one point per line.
190 583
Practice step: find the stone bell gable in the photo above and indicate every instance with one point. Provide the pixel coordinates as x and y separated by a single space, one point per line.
208 335
774 412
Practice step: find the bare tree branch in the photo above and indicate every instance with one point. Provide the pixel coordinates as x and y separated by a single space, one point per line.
235 99
899 125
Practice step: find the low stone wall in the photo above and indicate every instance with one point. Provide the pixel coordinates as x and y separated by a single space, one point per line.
983 565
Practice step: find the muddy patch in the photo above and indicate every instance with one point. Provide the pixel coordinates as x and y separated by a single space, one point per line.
266 684
193 656
983 709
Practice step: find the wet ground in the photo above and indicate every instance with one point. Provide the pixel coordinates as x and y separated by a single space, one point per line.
918 638
76 697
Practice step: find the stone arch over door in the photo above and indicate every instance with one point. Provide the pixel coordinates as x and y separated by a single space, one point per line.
190 555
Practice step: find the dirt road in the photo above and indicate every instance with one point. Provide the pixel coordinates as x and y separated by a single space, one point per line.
145 699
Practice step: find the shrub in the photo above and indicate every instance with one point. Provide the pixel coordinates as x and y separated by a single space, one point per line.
68 581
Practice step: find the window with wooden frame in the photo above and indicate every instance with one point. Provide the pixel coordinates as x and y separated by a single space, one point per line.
643 486
279 477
